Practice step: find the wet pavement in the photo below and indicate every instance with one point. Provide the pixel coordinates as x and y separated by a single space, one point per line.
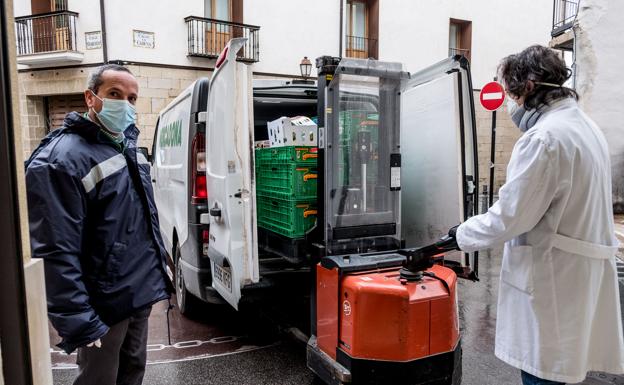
221 346
213 331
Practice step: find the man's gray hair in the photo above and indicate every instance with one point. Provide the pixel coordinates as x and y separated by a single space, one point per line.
95 78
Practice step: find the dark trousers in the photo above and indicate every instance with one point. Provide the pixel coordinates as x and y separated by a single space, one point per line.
529 379
121 359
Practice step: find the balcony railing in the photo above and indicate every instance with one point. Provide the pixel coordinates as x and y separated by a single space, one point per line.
208 37
46 32
360 47
564 13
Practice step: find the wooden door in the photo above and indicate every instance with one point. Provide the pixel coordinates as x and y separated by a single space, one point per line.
50 33
357 29
61 105
217 33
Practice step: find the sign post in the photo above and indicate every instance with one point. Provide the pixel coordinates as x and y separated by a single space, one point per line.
492 97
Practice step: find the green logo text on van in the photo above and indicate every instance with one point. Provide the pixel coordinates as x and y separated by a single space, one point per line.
171 134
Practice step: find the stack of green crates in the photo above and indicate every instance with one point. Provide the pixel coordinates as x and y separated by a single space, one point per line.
286 181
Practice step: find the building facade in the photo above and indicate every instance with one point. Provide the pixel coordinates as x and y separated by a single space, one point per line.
168 47
588 33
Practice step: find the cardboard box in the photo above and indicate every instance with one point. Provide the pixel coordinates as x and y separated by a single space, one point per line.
297 131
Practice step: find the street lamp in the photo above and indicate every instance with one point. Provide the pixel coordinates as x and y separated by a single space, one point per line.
306 67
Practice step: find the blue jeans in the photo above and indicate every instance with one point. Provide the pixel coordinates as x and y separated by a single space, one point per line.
529 379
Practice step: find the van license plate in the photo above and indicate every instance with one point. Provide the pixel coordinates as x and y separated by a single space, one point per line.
223 275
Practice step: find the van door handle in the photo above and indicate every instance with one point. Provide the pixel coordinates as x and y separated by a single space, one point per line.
215 212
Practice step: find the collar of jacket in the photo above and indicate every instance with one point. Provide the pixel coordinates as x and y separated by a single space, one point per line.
561 103
89 130
547 109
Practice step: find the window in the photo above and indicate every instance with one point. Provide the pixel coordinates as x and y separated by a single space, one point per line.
362 28
59 5
356 16
218 9
460 37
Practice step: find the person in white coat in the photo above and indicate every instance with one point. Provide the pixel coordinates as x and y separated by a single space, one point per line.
558 306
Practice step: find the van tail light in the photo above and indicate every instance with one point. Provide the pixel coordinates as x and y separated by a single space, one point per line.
199 194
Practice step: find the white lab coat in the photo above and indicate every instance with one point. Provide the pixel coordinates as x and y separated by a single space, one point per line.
558 306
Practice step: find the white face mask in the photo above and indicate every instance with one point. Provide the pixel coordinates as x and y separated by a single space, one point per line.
512 106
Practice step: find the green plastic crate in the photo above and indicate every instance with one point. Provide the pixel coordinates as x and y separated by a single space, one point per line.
289 217
292 179
286 154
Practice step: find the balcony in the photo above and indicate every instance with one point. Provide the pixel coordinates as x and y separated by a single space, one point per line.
47 39
360 47
564 13
208 37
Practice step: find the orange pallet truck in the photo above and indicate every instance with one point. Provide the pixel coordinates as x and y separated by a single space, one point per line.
397 161
387 319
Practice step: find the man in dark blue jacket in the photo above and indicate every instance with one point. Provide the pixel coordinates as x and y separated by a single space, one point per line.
93 220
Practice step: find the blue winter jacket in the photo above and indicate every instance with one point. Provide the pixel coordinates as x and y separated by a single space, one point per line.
93 220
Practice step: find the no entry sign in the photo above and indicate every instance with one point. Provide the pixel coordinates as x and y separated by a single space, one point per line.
492 96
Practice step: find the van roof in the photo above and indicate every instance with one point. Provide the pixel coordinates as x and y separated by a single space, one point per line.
262 88
269 83
283 88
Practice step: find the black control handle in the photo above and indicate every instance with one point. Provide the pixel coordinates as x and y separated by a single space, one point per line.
446 243
215 212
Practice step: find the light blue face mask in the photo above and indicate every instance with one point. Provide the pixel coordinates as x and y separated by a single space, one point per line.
116 115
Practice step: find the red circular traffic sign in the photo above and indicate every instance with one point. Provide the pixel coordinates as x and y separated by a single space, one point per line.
492 96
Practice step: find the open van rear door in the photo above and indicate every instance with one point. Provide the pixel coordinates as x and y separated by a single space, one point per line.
233 248
439 157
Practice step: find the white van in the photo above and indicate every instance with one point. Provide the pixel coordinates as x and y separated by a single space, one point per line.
179 173
438 143
179 181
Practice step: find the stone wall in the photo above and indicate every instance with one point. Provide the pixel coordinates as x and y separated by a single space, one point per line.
33 117
157 87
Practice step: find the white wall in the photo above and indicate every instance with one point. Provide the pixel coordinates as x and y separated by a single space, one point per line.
21 8
417 32
292 29
88 21
164 18
289 30
412 32
599 77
